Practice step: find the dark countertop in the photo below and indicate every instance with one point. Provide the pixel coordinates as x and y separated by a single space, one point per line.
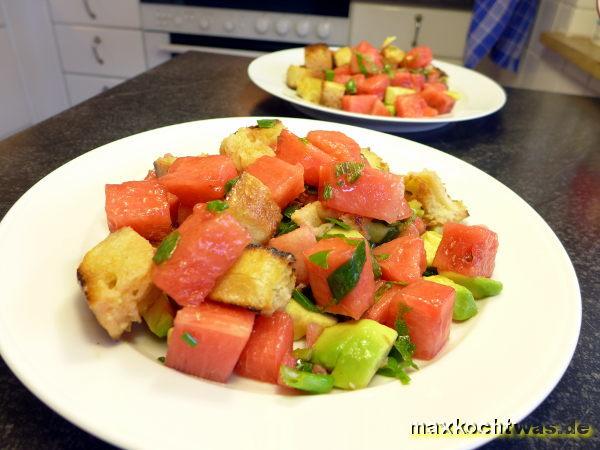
546 147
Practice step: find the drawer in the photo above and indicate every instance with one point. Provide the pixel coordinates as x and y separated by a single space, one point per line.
2 21
114 13
444 30
82 87
101 51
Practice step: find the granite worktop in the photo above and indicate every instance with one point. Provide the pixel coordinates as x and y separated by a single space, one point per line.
546 147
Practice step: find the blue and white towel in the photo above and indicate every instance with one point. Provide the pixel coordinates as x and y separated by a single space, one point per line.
499 28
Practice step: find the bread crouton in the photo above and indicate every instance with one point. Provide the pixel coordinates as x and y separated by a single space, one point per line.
312 215
248 144
310 89
262 279
162 164
427 187
251 204
342 56
332 94
115 277
294 75
374 159
392 55
318 57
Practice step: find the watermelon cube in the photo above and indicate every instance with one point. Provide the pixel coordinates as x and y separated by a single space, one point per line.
284 180
374 194
380 309
207 340
375 85
418 57
141 205
426 307
336 144
361 104
269 346
402 259
467 249
295 242
195 179
438 100
339 251
413 105
293 150
209 244
379 109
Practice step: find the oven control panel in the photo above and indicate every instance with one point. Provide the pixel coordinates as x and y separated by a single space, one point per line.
244 24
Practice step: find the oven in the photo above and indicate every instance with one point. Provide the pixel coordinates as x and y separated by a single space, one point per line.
239 27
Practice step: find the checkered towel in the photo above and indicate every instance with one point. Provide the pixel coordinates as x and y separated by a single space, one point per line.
499 28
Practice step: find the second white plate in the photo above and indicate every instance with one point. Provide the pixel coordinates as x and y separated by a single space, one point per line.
481 96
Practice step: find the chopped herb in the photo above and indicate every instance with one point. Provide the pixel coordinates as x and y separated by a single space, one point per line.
217 206
329 74
382 256
161 359
403 343
303 353
400 357
360 59
303 140
189 339
345 278
430 271
393 369
230 184
287 212
339 223
382 290
285 227
388 70
266 123
305 381
304 366
351 86
327 192
376 267
304 301
320 259
340 183
167 247
352 170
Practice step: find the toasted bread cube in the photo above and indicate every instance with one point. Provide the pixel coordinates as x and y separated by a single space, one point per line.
250 202
294 75
248 144
162 164
427 187
262 280
332 94
312 215
318 57
342 56
392 55
115 277
374 159
310 88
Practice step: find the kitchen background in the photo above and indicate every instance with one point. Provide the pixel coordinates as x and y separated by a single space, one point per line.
57 53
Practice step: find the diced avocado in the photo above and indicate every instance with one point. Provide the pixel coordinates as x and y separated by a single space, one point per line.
391 109
159 316
302 317
377 231
431 242
416 206
353 351
342 56
374 159
335 231
162 164
392 92
464 303
455 95
480 287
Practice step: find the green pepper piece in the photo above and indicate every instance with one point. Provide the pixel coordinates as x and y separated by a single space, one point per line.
305 381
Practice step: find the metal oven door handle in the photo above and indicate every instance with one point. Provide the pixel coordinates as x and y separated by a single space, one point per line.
179 48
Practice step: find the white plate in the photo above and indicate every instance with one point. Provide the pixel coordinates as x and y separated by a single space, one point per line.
481 96
500 364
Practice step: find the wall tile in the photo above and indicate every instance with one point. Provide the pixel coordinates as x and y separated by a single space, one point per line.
585 4
575 21
544 21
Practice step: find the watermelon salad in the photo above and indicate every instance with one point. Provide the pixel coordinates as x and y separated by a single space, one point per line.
364 79
300 261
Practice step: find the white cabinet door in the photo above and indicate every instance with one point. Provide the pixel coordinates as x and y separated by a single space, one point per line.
444 30
115 13
14 112
82 87
101 51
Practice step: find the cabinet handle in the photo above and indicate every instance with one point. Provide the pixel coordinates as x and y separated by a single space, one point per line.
88 9
418 22
96 43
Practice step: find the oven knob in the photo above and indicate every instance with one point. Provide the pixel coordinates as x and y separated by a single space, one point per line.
282 27
229 26
204 24
303 28
262 25
323 30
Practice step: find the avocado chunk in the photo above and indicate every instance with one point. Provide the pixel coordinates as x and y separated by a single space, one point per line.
336 231
353 351
302 317
159 316
480 287
374 159
391 92
431 242
464 303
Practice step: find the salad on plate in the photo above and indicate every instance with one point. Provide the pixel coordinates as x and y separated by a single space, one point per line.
300 261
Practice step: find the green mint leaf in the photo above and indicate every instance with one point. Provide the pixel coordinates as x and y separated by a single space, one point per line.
287 212
230 184
345 278
189 339
329 74
320 259
361 64
376 267
352 169
351 86
303 140
339 223
327 192
382 256
304 301
217 206
266 123
167 247
286 227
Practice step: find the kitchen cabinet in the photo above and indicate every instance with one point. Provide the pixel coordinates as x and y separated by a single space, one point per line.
82 87
111 13
14 112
